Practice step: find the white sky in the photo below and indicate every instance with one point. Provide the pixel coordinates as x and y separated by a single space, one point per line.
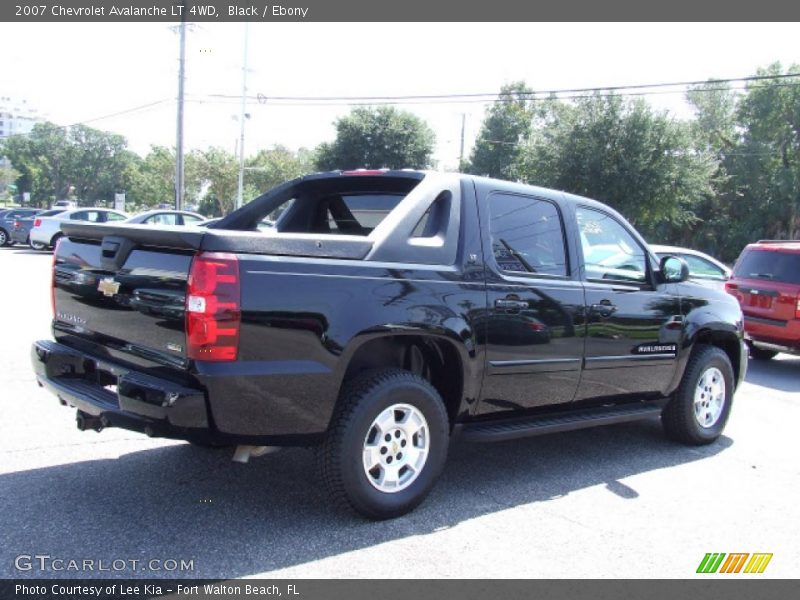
77 72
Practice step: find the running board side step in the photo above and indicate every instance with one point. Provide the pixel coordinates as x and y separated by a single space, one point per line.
509 429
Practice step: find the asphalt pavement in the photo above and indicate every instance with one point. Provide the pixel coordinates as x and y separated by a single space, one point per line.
619 501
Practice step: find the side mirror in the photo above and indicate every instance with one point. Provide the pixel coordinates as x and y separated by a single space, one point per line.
674 269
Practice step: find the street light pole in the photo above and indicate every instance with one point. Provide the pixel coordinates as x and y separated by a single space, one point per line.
179 183
242 117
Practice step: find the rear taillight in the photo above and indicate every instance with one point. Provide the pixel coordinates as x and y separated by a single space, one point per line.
37 222
17 224
213 307
797 308
733 290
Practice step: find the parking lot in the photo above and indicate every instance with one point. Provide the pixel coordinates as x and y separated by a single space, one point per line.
618 501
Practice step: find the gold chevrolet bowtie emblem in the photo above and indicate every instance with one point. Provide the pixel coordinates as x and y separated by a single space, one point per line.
108 286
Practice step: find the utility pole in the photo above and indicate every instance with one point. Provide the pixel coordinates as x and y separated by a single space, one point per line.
242 117
461 152
179 183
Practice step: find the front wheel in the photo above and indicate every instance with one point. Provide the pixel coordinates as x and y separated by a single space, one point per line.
698 411
3 238
387 444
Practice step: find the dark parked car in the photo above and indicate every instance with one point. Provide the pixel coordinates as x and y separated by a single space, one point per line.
7 219
766 282
20 233
383 314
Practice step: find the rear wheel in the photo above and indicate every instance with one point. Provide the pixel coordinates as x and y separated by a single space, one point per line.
37 245
760 354
698 411
387 444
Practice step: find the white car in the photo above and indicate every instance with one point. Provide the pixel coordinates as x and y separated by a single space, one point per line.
703 269
167 217
46 230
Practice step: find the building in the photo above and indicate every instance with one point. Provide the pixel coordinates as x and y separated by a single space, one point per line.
16 118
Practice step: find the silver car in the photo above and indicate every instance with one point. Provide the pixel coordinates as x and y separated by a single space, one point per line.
46 230
703 269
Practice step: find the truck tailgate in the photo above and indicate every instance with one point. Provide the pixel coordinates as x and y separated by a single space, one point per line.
125 286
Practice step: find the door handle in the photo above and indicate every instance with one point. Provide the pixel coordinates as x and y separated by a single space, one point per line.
506 304
604 308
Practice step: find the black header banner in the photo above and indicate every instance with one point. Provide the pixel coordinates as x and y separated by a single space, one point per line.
405 11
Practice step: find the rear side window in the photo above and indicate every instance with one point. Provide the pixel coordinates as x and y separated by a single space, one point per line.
769 265
86 215
699 267
162 219
527 236
359 214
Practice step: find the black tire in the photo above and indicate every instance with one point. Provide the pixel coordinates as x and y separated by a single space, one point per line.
4 238
679 419
55 239
37 245
760 354
339 458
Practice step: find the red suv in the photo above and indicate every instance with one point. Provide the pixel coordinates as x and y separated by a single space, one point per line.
766 281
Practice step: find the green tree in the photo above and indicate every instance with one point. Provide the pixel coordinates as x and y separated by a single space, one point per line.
57 162
506 126
218 174
767 169
378 137
271 167
153 180
624 154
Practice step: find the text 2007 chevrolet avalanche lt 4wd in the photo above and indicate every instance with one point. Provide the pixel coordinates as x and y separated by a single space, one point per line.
384 314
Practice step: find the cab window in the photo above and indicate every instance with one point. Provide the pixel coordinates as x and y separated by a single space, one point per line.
610 252
527 236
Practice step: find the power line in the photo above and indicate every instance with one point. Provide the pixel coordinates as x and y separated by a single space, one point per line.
103 117
488 96
216 99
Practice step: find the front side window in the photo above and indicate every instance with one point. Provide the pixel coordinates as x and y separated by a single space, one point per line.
527 236
609 251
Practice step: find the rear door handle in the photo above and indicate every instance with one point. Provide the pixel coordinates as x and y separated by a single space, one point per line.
604 308
506 304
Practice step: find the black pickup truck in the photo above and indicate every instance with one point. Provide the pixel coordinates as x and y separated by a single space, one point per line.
381 315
